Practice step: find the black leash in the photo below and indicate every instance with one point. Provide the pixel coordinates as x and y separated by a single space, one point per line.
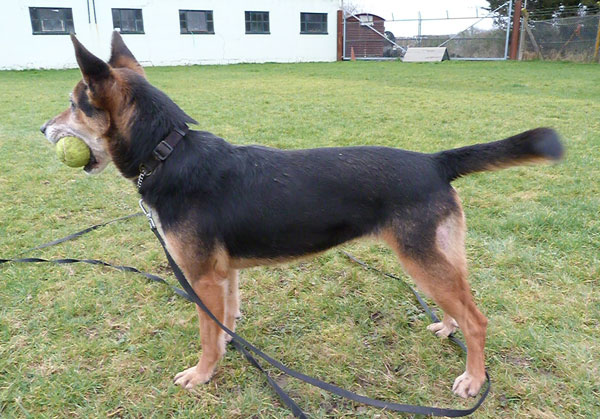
331 388
81 233
420 299
121 268
245 347
282 394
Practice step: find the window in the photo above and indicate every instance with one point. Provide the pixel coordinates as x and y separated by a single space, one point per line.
257 22
51 21
366 20
313 23
196 21
128 20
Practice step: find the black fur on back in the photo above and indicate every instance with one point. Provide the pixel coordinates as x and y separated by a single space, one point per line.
261 202
268 203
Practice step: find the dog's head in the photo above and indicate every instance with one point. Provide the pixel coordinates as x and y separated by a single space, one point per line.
95 100
114 110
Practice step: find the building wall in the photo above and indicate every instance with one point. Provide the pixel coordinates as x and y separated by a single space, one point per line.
364 41
162 43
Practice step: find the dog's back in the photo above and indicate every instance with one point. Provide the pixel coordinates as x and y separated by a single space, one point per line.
267 203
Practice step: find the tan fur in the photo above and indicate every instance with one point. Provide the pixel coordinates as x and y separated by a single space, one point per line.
513 162
127 62
443 277
211 279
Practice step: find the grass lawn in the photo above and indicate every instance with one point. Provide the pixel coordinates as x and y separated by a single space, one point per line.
92 342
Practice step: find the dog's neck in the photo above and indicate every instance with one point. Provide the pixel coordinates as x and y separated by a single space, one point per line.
154 117
160 154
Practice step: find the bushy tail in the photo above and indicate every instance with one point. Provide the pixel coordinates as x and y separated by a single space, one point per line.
537 145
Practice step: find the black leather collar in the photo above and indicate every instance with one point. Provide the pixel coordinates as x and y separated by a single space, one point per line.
163 150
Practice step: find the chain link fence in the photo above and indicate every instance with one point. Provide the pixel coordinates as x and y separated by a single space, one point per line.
567 33
483 36
572 38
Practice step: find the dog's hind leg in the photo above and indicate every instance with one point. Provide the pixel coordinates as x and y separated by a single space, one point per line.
437 264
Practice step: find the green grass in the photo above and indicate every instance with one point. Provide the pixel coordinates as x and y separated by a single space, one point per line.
88 341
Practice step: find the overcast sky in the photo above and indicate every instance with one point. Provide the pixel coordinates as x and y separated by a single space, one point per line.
409 9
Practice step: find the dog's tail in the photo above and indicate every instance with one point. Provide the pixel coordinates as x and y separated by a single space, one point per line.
537 145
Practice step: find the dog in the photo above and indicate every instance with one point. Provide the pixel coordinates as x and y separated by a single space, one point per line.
222 207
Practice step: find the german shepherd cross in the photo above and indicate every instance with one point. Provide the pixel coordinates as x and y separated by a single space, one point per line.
223 207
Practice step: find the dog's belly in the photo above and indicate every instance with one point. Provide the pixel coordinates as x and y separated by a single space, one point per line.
300 224
282 242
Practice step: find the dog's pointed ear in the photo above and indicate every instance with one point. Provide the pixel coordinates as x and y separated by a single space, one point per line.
93 69
121 56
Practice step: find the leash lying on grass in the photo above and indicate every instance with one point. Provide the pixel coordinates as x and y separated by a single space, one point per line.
245 347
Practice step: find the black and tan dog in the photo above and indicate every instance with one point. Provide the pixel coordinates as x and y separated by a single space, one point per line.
223 207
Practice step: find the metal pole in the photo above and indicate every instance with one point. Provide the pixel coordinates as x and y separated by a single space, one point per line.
344 46
419 35
507 29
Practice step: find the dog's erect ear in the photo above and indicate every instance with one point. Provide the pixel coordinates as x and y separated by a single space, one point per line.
93 69
121 57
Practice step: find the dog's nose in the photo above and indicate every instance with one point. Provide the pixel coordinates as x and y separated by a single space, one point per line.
43 128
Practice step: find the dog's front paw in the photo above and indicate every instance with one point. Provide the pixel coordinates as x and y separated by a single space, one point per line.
466 385
191 377
443 330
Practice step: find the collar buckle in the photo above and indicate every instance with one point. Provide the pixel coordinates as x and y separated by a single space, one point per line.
162 151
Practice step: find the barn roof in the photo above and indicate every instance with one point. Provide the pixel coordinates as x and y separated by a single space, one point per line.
363 14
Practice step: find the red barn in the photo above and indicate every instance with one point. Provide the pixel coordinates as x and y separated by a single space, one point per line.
361 36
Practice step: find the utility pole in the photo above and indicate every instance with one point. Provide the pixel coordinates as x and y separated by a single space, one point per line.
523 29
514 40
597 40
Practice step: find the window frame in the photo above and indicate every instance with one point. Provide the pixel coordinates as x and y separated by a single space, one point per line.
65 19
209 23
248 14
304 23
119 28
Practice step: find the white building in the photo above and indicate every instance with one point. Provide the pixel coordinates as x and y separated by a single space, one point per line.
34 33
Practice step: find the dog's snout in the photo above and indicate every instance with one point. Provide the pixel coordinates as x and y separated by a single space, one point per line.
43 128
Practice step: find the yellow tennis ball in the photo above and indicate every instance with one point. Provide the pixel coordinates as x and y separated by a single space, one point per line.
72 151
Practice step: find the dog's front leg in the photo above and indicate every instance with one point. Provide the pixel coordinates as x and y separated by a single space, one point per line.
232 302
212 290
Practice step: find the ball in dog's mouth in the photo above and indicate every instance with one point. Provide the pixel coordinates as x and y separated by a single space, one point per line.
92 163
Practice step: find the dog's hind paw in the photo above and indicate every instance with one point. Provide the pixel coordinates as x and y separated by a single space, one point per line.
442 329
191 377
466 385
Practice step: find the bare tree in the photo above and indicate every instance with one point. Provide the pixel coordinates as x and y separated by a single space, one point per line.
350 8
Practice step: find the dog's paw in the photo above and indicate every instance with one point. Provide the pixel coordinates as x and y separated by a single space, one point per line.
466 385
191 377
443 330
